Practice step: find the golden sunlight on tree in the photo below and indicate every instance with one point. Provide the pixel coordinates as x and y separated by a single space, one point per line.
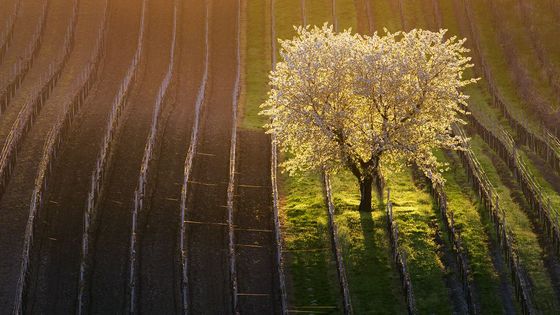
340 100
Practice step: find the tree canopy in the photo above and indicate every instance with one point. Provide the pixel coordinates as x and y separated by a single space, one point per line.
343 100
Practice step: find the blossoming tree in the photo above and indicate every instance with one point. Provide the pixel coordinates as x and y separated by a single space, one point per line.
342 100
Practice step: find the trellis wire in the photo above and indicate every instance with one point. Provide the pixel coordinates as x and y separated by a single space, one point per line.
187 171
140 191
97 178
399 258
486 192
232 160
547 146
440 196
505 147
20 128
279 258
333 233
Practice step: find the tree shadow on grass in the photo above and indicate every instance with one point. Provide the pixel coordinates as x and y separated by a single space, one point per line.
373 279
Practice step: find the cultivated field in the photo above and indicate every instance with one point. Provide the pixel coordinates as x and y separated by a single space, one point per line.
136 175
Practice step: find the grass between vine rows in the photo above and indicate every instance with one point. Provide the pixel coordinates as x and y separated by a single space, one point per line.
363 236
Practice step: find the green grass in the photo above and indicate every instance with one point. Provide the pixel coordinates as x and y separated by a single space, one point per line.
346 15
258 63
542 17
547 189
318 12
414 213
416 15
518 29
497 61
385 15
474 226
307 246
287 14
449 18
372 276
527 245
373 280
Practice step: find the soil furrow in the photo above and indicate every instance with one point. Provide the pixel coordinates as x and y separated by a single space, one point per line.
110 276
159 271
253 220
56 259
207 255
58 20
15 202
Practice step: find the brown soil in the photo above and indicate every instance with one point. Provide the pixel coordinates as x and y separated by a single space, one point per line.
14 204
57 251
255 247
26 23
109 276
209 279
58 19
159 272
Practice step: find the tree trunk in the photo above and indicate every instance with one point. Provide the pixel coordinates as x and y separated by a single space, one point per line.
365 193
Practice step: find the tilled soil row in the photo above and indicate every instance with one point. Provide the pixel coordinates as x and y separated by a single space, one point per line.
57 257
21 128
14 204
150 147
32 107
159 261
206 251
254 228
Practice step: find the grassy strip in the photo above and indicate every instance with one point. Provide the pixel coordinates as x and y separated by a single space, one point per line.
385 15
490 115
258 63
287 13
346 15
475 229
318 12
524 49
314 282
310 265
417 221
415 15
548 190
373 279
480 100
546 24
512 201
497 61
449 19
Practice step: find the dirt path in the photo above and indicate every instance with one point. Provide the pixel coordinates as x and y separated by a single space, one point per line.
14 205
109 276
55 262
159 272
256 267
209 279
